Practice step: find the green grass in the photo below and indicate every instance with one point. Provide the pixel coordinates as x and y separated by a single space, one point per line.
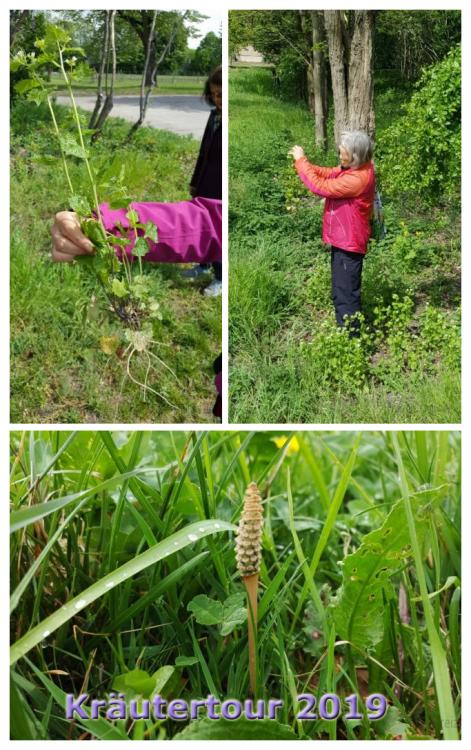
122 559
127 83
289 363
58 371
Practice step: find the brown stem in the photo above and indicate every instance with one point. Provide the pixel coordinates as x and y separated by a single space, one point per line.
251 584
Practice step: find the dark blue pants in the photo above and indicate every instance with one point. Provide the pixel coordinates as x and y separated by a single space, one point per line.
346 283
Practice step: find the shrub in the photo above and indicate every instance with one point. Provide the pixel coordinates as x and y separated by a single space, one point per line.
421 152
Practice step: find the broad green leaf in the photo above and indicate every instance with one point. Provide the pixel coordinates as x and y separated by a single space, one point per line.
26 85
92 229
358 608
141 248
80 204
238 729
134 682
181 539
206 611
71 147
234 613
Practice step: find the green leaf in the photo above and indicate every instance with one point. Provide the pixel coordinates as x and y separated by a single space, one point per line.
133 217
358 607
206 611
186 661
71 147
234 613
26 85
134 682
119 289
93 230
174 543
80 204
239 729
141 248
150 231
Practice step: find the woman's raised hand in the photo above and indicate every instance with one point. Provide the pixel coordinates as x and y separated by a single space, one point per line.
296 152
68 240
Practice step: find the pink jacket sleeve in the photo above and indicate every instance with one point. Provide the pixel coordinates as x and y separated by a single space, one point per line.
188 231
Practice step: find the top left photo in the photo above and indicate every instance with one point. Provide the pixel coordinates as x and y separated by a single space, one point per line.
116 216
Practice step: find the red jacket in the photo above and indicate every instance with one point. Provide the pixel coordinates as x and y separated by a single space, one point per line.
349 195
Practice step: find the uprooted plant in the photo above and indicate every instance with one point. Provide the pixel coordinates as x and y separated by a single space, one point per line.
119 270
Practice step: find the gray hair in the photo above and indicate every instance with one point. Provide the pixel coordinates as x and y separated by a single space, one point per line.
358 144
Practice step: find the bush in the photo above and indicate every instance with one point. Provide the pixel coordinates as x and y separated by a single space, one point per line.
420 154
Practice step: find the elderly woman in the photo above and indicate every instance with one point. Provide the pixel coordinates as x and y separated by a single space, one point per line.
349 190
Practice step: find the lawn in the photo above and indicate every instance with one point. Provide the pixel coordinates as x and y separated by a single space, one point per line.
60 371
288 360
124 580
127 83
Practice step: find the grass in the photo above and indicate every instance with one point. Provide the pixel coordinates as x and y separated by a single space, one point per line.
289 362
59 372
128 83
124 579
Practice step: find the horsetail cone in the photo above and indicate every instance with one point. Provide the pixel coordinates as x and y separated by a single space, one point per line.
249 533
249 555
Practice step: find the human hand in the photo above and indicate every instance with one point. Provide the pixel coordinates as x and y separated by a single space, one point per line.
296 152
68 240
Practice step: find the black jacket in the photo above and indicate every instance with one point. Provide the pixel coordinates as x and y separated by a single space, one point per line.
207 177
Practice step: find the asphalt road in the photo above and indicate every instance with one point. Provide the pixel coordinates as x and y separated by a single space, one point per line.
184 114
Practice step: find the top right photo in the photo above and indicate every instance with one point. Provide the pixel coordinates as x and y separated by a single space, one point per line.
344 216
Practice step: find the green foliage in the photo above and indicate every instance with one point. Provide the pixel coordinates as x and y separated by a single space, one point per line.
367 574
88 506
289 361
419 156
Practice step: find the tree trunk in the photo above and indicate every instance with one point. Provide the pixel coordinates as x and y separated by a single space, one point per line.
104 57
110 79
151 64
334 32
351 66
318 74
360 74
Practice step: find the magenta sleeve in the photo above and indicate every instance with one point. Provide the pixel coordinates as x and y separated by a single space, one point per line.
188 231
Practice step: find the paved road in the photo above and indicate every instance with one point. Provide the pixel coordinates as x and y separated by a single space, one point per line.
184 114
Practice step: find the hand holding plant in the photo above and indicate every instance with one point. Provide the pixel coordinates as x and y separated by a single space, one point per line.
82 231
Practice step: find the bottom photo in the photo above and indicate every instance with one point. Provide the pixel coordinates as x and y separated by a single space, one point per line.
235 585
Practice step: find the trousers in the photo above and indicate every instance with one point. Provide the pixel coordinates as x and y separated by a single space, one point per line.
346 283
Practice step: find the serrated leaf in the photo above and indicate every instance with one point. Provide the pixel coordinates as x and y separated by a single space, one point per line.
358 607
206 611
37 96
141 248
240 729
92 229
26 84
80 204
71 147
150 231
391 725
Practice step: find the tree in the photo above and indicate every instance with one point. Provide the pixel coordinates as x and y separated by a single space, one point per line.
103 109
350 40
208 55
313 25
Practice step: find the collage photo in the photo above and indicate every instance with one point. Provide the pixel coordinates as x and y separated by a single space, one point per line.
235 407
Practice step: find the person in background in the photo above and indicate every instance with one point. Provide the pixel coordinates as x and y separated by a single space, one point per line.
207 176
349 190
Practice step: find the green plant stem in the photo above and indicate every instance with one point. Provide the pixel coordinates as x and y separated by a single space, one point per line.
439 659
80 135
57 132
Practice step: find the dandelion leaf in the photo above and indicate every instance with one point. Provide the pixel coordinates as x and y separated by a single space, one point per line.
359 604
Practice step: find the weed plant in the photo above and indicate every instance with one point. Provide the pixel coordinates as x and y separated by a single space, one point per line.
124 579
58 316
